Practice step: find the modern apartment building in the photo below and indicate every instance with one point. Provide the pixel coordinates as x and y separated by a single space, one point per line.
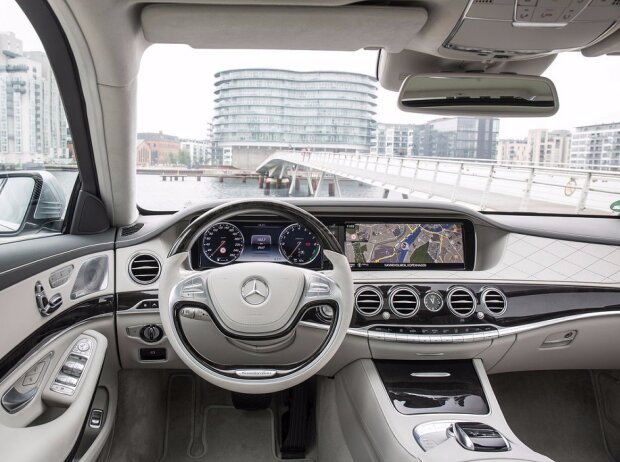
260 111
458 137
596 147
513 152
550 148
199 151
394 140
33 126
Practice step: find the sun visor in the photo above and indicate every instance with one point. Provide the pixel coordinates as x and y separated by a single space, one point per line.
343 28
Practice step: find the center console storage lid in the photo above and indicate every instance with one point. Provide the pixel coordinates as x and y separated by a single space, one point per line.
439 387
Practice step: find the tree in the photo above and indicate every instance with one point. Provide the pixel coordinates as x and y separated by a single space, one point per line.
184 158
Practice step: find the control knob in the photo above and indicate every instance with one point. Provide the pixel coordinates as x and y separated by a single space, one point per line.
151 333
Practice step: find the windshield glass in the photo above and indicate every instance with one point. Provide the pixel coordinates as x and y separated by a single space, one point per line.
216 124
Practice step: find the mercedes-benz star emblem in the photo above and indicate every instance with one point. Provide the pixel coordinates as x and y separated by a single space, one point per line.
254 291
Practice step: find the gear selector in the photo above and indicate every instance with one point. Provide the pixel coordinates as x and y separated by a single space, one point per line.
476 436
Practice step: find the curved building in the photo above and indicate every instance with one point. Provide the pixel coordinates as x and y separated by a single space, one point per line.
260 111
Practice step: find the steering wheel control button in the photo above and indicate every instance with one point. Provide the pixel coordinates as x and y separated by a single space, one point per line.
194 288
255 291
256 373
151 333
318 286
188 312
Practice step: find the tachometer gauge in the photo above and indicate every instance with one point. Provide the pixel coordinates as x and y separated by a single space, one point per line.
298 244
222 243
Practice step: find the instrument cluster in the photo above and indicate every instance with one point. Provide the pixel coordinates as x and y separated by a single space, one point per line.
227 242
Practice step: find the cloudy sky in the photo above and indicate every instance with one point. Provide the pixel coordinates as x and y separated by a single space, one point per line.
176 83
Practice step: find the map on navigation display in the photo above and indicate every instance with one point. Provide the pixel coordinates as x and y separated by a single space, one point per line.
405 245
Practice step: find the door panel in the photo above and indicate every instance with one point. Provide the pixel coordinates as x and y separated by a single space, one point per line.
20 316
38 431
24 259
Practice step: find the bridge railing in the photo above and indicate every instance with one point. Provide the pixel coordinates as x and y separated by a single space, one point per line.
575 190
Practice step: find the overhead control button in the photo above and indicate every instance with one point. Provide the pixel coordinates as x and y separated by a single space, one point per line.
546 14
527 2
524 13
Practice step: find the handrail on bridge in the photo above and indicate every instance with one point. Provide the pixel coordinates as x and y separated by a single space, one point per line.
478 182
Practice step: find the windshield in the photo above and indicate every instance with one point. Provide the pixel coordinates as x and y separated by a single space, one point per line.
216 124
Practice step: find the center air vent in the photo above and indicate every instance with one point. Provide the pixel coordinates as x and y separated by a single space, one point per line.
404 301
493 301
368 301
144 268
461 301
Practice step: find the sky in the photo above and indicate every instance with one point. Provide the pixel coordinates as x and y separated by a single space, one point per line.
175 83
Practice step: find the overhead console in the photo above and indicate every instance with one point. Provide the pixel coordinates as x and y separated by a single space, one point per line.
512 28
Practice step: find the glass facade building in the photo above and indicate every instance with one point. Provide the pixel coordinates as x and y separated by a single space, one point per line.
260 111
455 137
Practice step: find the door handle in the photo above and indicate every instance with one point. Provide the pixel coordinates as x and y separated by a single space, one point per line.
13 400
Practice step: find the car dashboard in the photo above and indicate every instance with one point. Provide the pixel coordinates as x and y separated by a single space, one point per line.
431 282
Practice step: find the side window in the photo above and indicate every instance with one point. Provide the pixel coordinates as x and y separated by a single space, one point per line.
37 163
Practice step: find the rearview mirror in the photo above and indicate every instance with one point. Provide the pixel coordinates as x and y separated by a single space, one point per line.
30 202
492 95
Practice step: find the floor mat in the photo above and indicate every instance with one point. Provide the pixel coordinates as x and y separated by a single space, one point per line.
197 431
553 412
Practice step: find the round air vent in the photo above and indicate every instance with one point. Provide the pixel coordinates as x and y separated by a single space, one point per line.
461 301
144 268
368 301
404 301
493 301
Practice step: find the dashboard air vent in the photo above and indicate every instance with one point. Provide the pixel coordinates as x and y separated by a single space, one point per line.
144 268
133 229
493 301
461 301
368 301
404 301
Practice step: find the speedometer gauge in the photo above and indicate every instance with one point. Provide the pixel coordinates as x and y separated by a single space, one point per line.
298 244
222 243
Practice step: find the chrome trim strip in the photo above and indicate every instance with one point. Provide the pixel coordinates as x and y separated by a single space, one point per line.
430 374
62 253
391 279
462 338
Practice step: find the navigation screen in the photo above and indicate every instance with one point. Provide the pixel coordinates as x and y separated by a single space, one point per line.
396 245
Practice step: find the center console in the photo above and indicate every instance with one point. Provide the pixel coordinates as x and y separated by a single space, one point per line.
424 411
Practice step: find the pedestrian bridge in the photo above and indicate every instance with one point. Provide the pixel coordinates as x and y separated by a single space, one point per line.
477 184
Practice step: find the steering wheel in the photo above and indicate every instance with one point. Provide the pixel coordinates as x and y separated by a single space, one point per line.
254 301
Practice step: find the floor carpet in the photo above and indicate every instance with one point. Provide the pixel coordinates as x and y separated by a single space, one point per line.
177 417
554 413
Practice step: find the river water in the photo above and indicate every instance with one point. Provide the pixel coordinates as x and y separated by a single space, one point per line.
155 194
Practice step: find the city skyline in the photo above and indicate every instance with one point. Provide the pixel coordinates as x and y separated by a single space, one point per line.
586 86
51 139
